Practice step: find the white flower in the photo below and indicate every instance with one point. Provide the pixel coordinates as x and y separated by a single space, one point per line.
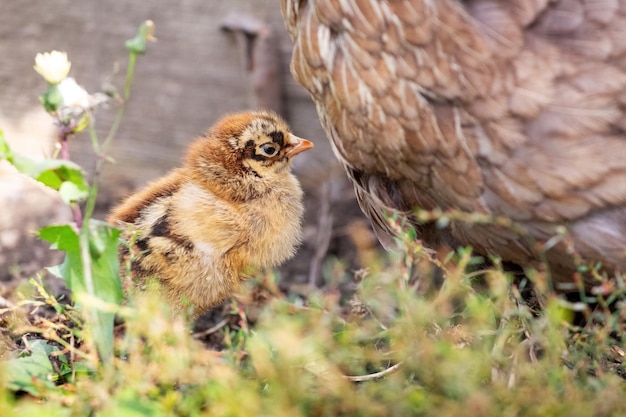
76 104
73 95
52 66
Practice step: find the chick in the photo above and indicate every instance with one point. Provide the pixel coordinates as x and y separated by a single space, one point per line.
232 207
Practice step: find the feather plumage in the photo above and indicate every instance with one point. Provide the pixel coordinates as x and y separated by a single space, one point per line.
508 109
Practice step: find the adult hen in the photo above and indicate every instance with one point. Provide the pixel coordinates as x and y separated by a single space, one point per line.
510 109
233 205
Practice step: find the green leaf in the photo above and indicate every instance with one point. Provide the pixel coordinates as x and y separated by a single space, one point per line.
61 237
22 164
104 244
33 373
77 368
129 404
63 176
71 192
71 270
103 249
4 146
49 178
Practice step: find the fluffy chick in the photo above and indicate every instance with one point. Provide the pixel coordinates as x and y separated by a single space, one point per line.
233 206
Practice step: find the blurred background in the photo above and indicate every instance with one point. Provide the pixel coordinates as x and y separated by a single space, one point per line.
193 74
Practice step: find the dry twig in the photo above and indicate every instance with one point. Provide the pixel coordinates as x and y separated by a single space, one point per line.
211 330
324 234
369 377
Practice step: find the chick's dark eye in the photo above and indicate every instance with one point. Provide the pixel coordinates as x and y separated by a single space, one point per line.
269 150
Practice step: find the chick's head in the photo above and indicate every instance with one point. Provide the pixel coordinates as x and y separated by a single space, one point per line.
245 155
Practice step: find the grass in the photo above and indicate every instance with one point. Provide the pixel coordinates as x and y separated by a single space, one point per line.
398 346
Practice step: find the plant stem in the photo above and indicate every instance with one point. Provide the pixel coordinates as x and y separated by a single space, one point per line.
120 112
65 147
64 134
93 189
77 215
93 135
129 74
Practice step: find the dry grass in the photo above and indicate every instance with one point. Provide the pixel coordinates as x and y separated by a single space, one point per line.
397 346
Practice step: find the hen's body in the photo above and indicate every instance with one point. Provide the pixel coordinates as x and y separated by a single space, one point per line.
505 108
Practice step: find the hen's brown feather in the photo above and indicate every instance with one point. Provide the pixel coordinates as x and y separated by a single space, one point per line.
512 109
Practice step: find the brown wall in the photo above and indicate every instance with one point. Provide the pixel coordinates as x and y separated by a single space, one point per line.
192 75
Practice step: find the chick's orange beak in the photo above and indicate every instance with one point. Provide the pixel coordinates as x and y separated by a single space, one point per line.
298 145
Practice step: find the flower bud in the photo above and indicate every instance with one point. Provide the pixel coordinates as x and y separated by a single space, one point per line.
145 34
51 99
